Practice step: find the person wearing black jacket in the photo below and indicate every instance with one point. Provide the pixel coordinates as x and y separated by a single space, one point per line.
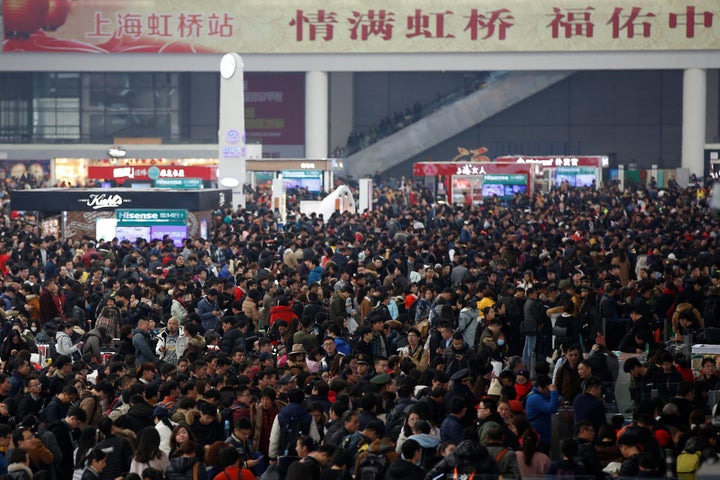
120 452
207 428
469 458
31 401
461 382
645 379
347 424
140 413
63 431
232 338
406 468
587 455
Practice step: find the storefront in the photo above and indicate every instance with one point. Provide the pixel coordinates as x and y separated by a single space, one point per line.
552 171
314 175
453 182
121 212
157 175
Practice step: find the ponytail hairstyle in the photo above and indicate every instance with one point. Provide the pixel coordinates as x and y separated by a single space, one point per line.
529 447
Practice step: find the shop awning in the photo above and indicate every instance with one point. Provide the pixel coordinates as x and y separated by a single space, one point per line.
104 199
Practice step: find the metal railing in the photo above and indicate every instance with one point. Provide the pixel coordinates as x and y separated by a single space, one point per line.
374 134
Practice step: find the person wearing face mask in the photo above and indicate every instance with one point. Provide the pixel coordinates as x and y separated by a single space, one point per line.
34 328
408 466
492 340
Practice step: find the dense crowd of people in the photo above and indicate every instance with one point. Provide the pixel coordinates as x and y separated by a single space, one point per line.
418 341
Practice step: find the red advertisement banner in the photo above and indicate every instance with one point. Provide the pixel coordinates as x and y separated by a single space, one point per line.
123 173
348 26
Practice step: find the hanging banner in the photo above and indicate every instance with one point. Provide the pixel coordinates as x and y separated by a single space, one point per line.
148 217
348 26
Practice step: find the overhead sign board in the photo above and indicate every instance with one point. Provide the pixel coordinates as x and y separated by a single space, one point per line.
147 217
348 26
179 183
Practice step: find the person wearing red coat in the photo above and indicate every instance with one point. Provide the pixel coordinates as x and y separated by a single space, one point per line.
52 302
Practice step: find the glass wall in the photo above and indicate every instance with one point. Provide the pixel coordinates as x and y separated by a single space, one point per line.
100 107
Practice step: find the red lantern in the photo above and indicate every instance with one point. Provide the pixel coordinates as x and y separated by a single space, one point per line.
58 11
23 17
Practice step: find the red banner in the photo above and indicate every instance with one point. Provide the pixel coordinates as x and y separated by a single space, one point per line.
349 26
431 169
122 173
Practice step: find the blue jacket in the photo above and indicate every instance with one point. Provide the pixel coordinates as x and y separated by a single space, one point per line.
205 309
539 410
144 351
315 275
590 409
342 346
451 430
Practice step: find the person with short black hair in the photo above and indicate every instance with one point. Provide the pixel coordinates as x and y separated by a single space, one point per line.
295 409
310 467
567 465
119 462
406 468
685 401
304 446
499 449
39 455
587 455
542 402
142 341
207 427
240 439
371 432
347 424
589 405
63 434
19 467
629 445
645 378
452 428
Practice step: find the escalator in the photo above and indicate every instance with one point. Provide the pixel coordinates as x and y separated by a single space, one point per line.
454 118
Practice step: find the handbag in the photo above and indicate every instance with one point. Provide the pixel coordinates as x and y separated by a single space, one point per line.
559 331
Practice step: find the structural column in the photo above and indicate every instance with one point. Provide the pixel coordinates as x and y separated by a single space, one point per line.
341 108
316 114
693 121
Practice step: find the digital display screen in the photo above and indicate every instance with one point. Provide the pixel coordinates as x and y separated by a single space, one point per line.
511 190
584 180
493 190
203 228
176 233
311 184
132 233
560 178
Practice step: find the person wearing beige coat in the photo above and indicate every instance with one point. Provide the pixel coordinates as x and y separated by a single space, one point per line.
262 416
250 308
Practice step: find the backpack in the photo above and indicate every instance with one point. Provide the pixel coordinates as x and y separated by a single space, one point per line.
688 464
397 420
412 311
79 400
371 467
289 435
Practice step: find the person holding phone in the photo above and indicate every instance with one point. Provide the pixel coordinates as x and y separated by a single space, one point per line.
240 439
